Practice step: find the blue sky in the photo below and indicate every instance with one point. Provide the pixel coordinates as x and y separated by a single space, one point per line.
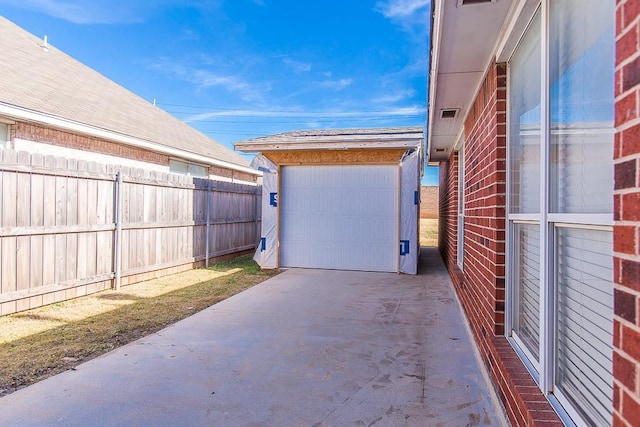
239 69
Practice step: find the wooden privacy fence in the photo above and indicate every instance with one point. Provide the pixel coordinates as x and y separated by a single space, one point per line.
70 227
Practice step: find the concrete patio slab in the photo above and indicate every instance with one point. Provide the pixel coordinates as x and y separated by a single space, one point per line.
305 348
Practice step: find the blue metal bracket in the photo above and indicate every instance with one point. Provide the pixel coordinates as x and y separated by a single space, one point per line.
404 247
263 244
273 199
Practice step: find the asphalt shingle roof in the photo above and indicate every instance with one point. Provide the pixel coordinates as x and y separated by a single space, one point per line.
340 135
49 81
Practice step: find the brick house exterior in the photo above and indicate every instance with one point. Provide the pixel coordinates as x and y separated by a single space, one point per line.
481 238
626 335
57 133
91 118
114 152
429 201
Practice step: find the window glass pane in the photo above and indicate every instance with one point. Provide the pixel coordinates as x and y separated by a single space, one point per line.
524 122
584 340
527 286
581 105
197 170
4 134
176 166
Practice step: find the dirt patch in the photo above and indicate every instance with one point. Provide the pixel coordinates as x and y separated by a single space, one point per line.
428 232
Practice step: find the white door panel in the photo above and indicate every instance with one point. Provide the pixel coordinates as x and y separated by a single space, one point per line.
339 217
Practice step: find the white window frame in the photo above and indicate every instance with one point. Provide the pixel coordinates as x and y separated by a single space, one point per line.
543 373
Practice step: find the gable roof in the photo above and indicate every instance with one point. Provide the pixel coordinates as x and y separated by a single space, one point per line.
41 81
362 138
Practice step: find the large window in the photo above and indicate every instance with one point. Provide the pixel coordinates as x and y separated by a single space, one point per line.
561 106
461 184
184 168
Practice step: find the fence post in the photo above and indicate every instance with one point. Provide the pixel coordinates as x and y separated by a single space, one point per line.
117 250
257 202
208 227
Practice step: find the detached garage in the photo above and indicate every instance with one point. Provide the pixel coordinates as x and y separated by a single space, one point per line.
343 199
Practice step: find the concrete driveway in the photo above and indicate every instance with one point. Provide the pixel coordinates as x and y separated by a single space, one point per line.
306 348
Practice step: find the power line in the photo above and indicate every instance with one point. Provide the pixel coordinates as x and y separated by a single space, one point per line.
215 132
262 111
267 121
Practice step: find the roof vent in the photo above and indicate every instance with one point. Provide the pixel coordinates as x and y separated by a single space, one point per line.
449 113
440 150
468 2
45 43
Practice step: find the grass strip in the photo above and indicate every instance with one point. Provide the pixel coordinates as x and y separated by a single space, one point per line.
42 342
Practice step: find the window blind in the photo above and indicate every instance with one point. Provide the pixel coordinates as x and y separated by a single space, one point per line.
584 336
527 319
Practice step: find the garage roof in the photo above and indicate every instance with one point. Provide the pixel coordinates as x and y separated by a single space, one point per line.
336 139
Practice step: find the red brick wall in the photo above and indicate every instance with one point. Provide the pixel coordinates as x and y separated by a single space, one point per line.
37 133
485 173
626 335
232 174
481 287
448 206
429 201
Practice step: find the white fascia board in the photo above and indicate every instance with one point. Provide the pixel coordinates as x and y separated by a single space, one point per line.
517 22
438 6
68 125
515 11
351 145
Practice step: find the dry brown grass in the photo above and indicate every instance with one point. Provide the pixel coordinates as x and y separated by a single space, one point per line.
428 232
39 343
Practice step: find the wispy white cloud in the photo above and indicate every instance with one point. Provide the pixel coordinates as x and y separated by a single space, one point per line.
205 79
401 8
393 97
411 15
297 66
315 115
82 12
336 84
97 11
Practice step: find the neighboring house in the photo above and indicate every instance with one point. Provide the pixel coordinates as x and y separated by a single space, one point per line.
341 198
429 201
91 197
533 120
52 104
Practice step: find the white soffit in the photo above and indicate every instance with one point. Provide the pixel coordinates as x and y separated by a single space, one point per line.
464 41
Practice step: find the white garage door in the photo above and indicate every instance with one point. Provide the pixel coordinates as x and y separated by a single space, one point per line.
339 217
